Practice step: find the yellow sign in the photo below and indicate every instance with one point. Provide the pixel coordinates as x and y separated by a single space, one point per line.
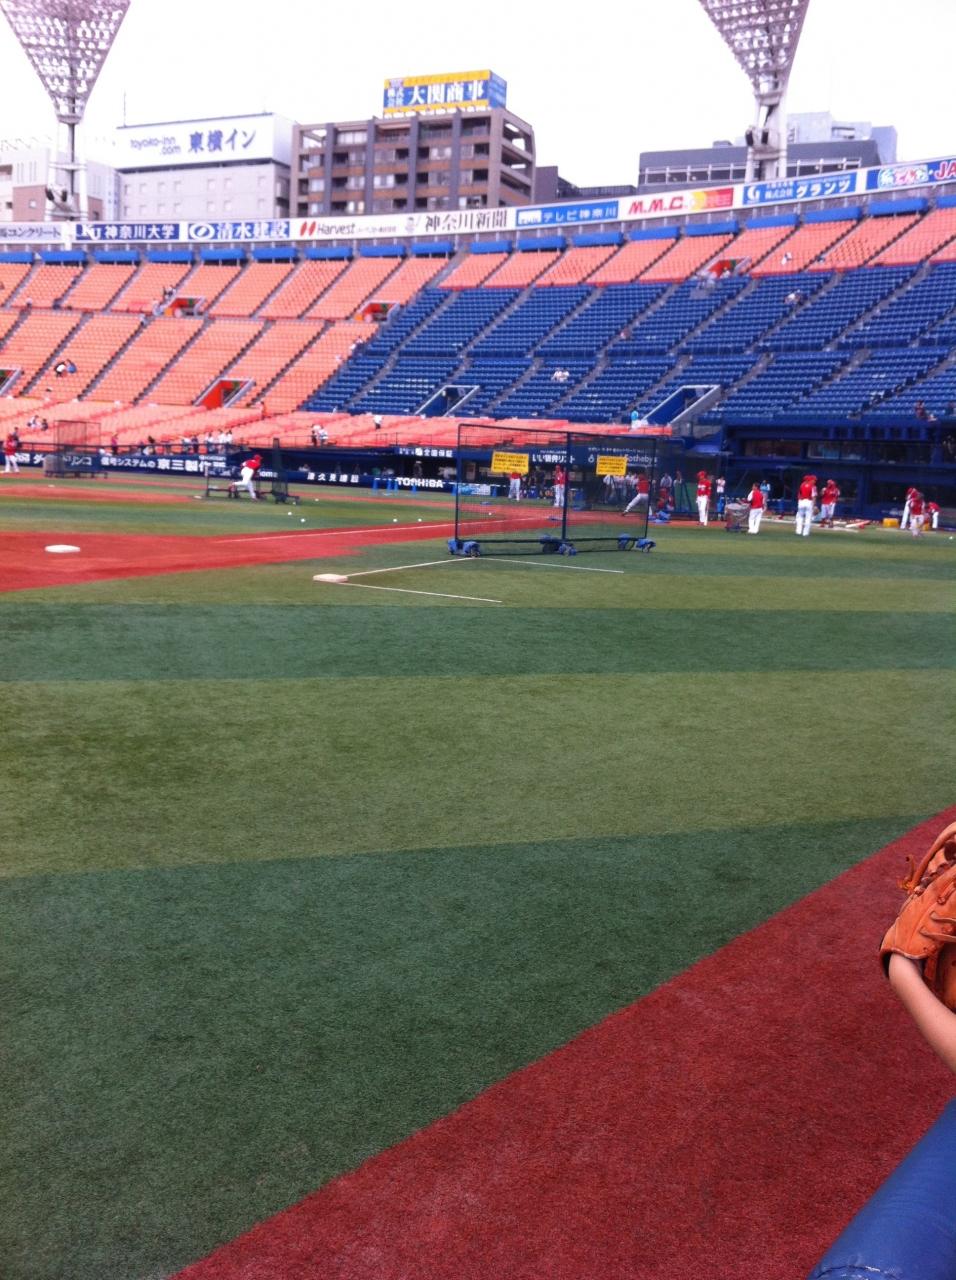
608 464
449 91
505 463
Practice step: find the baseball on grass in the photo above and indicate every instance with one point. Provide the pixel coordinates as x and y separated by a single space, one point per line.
395 520
302 520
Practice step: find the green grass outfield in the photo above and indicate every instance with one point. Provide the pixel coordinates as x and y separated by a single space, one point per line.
292 868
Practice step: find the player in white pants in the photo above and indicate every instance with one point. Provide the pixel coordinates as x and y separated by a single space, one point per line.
805 498
514 486
642 496
904 518
560 480
247 477
757 504
703 497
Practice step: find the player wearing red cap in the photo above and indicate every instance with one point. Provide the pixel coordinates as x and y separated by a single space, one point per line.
805 499
758 501
904 519
828 500
703 496
249 473
932 510
917 508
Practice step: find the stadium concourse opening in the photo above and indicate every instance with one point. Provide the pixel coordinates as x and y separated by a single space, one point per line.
552 491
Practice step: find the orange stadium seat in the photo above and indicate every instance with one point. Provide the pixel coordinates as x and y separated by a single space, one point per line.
316 364
473 270
217 346
755 243
145 290
630 262
925 240
98 286
207 281
247 294
685 257
575 265
364 277
7 320
805 246
521 269
145 358
865 241
272 352
411 276
307 283
34 342
92 346
49 282
12 276
132 424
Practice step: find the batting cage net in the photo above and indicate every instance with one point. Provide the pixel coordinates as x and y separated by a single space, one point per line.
540 490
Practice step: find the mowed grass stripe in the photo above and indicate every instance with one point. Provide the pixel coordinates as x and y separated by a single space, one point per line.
215 771
188 1051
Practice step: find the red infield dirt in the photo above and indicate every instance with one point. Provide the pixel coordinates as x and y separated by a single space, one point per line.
24 562
728 1126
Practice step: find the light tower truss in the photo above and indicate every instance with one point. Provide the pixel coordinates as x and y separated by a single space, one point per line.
67 42
763 36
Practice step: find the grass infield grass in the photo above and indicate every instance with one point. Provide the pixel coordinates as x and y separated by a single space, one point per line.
293 869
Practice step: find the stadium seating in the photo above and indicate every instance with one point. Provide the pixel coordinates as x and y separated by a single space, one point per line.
302 288
454 326
791 375
767 303
807 246
204 360
272 352
158 342
98 285
575 265
909 314
401 323
864 242
406 386
543 389
521 269
47 285
316 365
12 276
35 341
630 262
540 311
609 314
413 275
615 388
682 311
878 377
472 270
364 277
250 289
147 287
90 348
702 371
207 282
828 314
686 257
756 243
924 238
492 376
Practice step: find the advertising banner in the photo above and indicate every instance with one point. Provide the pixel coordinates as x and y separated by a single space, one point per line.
35 232
556 215
221 140
791 189
447 91
504 463
893 177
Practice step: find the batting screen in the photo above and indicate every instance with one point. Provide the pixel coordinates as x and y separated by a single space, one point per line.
552 491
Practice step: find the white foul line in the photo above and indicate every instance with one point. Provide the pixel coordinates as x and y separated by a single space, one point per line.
367 586
424 564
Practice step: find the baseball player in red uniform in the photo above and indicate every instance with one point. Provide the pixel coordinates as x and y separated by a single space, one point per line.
917 508
703 497
560 480
932 511
514 485
643 494
758 503
10 463
828 500
904 519
806 495
247 477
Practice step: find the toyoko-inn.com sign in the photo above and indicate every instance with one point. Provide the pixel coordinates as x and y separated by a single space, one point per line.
221 140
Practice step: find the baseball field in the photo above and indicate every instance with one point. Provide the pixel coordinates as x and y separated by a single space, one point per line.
475 918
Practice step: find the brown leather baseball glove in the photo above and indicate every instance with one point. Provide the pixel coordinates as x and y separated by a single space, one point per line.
925 929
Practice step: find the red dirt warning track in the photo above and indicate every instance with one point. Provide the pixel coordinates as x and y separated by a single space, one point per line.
726 1126
25 564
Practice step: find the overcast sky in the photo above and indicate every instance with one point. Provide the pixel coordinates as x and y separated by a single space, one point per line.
597 87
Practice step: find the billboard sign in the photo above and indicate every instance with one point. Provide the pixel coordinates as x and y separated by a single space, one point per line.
447 91
788 190
893 177
556 215
223 140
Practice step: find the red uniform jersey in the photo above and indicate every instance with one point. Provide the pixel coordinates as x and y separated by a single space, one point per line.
932 507
253 463
831 494
756 498
916 505
703 488
643 484
9 446
807 491
559 475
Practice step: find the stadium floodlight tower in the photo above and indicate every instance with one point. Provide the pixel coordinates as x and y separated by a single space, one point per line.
763 36
67 42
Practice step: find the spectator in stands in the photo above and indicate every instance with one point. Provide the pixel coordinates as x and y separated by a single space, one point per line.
10 464
377 422
793 297
44 425
60 368
786 259
209 441
314 435
561 375
922 413
323 435
228 438
194 444
114 444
